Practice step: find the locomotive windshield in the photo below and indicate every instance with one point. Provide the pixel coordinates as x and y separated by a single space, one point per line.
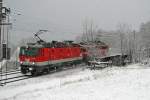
29 51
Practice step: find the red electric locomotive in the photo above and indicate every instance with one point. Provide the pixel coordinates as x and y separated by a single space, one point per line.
36 58
42 56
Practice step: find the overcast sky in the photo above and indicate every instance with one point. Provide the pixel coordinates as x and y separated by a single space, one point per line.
64 18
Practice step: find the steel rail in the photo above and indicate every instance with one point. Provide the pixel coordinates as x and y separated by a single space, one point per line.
12 78
10 73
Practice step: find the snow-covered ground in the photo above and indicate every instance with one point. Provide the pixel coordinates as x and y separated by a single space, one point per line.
15 56
116 83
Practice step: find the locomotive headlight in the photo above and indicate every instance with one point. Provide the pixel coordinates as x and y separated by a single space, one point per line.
21 62
30 68
33 63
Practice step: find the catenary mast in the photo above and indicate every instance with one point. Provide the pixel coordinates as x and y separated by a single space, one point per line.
1 5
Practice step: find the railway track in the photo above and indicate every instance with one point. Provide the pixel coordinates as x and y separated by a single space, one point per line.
11 76
12 71
14 76
4 74
13 79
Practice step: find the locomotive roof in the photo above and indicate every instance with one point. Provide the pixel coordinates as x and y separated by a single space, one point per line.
94 44
52 44
41 44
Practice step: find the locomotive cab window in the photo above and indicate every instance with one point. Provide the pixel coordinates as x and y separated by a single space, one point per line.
33 51
29 51
22 51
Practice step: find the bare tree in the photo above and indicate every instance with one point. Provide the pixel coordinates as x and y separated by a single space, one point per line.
89 31
127 41
144 33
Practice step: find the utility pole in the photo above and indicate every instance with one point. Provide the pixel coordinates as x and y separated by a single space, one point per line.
1 5
121 46
134 47
5 12
1 2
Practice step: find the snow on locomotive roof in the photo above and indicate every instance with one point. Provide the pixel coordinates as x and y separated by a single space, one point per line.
53 44
93 44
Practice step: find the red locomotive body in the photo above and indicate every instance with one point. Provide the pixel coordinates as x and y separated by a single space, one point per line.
39 58
96 49
54 55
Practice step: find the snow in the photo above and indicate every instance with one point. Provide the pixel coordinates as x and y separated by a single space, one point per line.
15 55
2 63
113 83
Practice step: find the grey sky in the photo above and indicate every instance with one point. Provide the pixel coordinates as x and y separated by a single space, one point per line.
64 18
